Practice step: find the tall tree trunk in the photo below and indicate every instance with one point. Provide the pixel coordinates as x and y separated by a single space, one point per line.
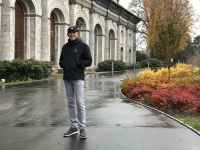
168 73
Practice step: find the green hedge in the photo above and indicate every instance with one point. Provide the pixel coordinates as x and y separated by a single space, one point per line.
133 66
22 70
107 65
153 62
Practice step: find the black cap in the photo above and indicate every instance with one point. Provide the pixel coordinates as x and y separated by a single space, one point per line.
73 28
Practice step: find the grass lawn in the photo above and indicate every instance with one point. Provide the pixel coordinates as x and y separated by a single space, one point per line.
194 122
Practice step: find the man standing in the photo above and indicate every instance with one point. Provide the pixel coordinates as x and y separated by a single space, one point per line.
75 56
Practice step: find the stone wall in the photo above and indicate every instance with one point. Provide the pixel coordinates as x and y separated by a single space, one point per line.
104 25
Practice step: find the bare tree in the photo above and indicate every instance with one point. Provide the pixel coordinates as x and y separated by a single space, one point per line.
136 7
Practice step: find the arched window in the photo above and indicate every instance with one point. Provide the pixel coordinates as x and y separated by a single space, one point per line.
19 31
81 25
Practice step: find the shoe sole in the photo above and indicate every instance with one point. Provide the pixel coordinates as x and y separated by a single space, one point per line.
83 137
71 134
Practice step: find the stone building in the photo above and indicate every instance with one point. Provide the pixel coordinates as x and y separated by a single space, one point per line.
38 29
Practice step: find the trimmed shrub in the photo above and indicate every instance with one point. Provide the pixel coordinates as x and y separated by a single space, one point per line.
22 70
133 66
107 65
153 62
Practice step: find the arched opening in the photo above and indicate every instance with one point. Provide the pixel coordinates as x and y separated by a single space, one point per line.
121 54
80 24
19 31
57 35
98 44
52 40
111 54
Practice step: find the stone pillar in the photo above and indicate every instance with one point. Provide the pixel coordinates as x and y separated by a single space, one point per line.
7 31
118 41
91 42
34 34
45 34
32 37
26 37
106 50
61 36
38 38
72 13
134 47
0 28
127 45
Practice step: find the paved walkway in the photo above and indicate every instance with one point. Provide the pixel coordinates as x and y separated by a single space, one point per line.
34 116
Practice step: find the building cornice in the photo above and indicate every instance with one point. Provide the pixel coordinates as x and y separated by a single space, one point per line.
119 10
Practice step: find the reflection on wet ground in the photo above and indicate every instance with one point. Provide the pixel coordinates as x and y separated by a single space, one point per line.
34 116
44 103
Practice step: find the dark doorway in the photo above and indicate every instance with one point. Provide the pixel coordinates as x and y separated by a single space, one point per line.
52 48
19 31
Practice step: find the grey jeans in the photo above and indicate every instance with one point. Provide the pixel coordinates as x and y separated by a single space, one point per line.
76 106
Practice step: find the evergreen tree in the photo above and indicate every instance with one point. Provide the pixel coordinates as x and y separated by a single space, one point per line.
167 45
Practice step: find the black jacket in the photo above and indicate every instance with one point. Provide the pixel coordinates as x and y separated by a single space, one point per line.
75 56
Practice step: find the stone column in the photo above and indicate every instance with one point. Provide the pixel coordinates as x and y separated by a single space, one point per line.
34 31
38 38
91 42
32 37
45 34
0 28
7 32
134 47
106 50
26 36
127 45
61 33
72 13
118 41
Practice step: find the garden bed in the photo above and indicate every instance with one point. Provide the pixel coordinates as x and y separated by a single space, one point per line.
179 98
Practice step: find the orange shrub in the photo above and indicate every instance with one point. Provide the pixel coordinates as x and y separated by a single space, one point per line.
182 93
147 73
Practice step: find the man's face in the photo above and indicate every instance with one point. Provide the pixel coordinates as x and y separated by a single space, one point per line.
72 35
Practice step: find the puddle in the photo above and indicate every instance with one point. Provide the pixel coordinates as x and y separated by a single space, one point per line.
5 106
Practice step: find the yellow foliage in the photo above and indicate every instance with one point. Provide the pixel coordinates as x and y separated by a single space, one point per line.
196 70
181 74
160 13
147 73
162 73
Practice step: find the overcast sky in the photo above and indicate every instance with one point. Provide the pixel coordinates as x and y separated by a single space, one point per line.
196 4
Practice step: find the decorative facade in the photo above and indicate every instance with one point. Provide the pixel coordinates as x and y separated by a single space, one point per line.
38 29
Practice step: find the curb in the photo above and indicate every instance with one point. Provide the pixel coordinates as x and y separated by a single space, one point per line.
130 100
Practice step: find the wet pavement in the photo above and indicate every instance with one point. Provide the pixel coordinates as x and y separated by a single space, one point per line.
34 116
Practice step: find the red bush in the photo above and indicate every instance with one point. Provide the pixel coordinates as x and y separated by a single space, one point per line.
197 105
160 97
140 92
194 89
182 99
